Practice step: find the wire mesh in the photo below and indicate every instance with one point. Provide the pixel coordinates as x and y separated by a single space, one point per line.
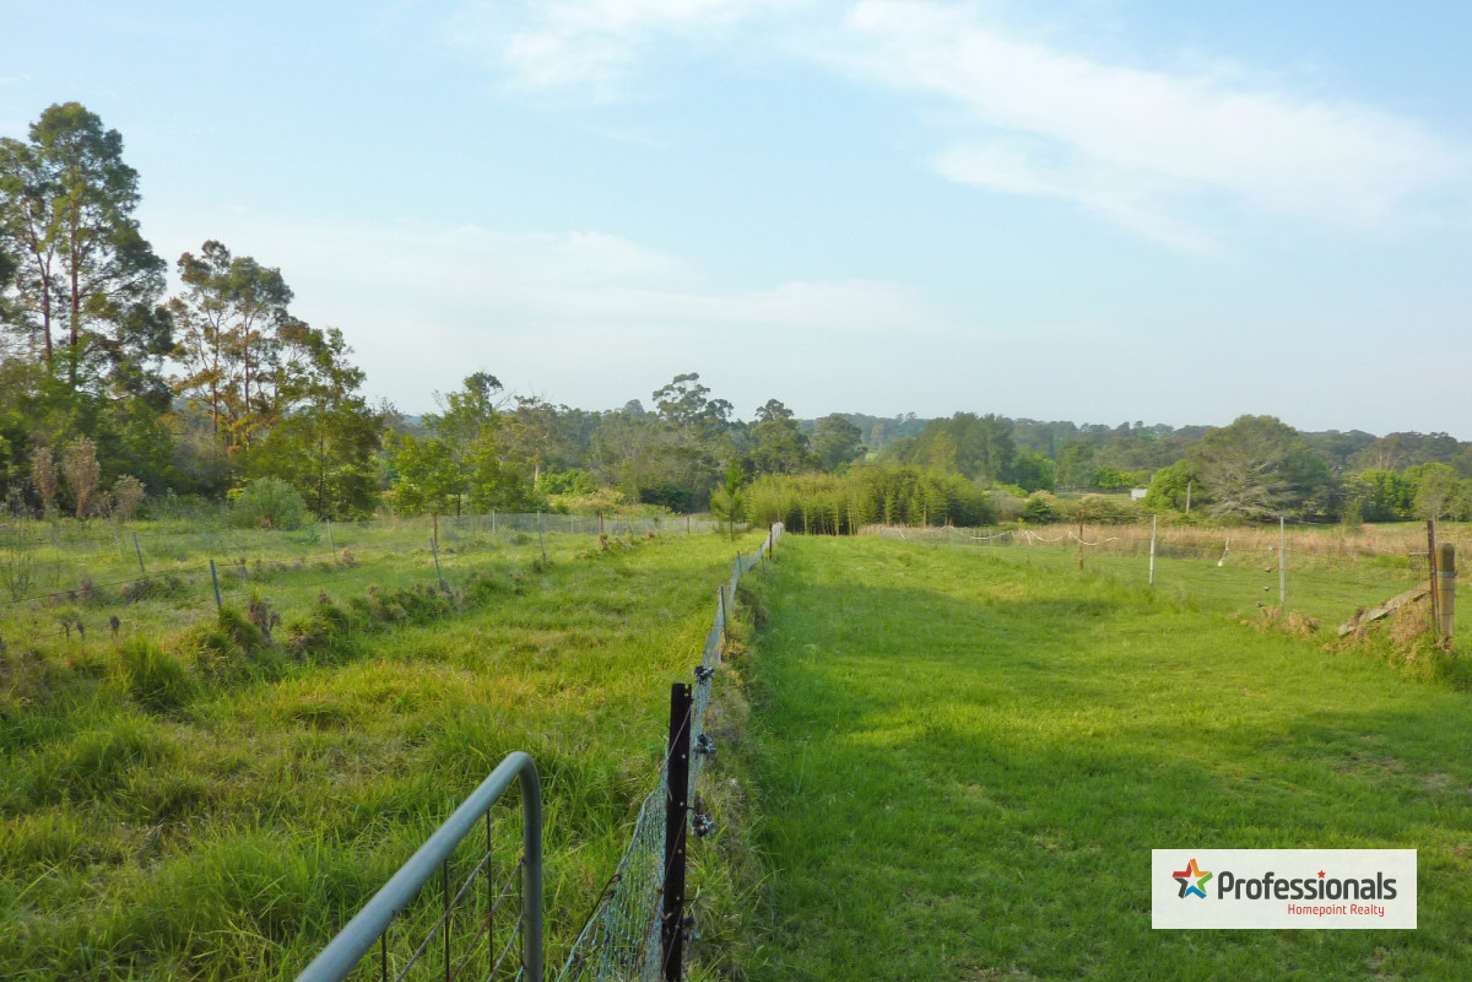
621 938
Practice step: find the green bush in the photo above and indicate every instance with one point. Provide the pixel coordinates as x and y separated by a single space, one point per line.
154 678
268 502
1040 508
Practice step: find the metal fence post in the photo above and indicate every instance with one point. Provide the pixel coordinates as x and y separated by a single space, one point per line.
138 550
215 580
330 544
677 791
1153 520
1446 585
542 537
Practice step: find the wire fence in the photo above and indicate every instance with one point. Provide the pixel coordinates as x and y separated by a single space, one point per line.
1323 573
622 937
70 583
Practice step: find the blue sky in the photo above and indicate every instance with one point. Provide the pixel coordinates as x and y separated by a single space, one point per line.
1102 210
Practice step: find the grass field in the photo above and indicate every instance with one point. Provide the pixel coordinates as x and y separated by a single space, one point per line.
55 575
963 758
225 832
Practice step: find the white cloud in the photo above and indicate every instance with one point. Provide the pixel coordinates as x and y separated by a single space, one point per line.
426 304
547 44
1139 145
1142 147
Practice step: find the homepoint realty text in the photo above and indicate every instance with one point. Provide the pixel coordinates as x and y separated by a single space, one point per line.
1283 888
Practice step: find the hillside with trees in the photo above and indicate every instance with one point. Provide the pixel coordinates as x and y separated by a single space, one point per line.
118 396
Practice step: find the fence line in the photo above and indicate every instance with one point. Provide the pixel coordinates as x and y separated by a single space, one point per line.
181 559
621 938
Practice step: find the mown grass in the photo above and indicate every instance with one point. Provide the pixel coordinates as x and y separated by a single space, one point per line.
161 821
963 759
1326 587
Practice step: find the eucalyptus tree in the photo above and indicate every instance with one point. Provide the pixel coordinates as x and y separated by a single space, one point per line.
87 279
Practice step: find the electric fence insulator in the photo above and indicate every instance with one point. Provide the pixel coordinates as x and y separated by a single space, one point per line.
705 745
704 673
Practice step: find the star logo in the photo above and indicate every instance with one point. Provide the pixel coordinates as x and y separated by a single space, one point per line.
1192 879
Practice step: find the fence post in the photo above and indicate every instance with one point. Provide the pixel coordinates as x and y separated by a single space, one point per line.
721 605
493 521
687 524
1153 520
542 537
676 811
1282 563
138 550
1446 577
1431 575
434 550
330 544
215 580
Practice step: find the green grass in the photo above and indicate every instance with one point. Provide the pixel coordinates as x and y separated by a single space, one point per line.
1328 589
89 573
159 821
964 757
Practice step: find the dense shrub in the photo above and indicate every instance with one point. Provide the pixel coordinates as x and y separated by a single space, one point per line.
1040 508
268 502
1106 509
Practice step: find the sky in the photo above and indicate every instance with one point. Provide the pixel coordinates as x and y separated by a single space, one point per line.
1098 210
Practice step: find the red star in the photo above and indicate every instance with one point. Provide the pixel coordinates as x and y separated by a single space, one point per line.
1321 874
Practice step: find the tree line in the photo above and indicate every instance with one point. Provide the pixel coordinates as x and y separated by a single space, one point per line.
113 391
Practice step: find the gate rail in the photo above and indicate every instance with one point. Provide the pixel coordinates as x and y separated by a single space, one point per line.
370 925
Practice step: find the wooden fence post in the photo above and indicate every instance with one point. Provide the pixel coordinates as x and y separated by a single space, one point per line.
434 549
1282 563
215 579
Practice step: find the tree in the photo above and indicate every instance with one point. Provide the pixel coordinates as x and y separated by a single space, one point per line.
327 439
427 478
980 447
82 473
68 198
1258 468
1437 488
836 441
727 502
1032 472
236 340
781 448
1075 465
1171 486
684 402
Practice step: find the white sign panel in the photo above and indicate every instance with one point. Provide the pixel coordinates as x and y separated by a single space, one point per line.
1340 889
